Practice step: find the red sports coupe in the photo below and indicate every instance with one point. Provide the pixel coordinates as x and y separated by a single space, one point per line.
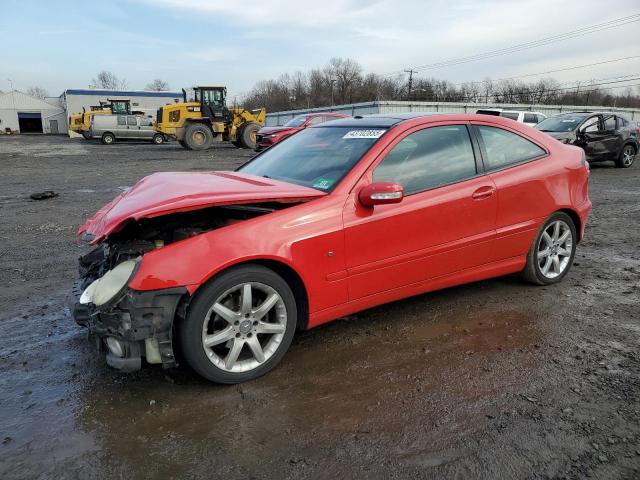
269 136
226 266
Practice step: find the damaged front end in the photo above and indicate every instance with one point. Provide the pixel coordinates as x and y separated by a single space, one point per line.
128 324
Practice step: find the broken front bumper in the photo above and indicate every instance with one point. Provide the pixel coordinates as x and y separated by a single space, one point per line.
139 323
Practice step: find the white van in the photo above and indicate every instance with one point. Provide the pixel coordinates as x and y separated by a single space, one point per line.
108 128
522 116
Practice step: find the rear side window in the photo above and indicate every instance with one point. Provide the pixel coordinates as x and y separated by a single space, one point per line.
133 121
122 120
530 118
504 148
511 115
429 158
316 120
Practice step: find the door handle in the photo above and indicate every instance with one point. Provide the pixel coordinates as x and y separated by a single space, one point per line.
483 192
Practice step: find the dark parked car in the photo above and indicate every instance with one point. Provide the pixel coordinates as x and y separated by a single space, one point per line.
268 136
603 136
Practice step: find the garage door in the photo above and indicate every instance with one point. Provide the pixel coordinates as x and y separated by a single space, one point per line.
30 122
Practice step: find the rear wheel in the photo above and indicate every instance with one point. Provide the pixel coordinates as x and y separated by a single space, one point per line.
240 325
198 137
158 139
247 136
552 252
108 138
627 156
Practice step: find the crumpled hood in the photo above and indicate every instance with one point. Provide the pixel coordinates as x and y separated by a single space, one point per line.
270 130
171 192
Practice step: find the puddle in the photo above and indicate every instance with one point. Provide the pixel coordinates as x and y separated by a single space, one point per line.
387 375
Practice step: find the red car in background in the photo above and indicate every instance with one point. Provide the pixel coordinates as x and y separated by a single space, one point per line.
226 266
268 136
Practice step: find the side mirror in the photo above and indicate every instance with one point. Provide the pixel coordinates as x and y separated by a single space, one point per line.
381 193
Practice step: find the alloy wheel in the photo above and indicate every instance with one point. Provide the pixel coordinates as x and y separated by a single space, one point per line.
244 327
554 249
628 156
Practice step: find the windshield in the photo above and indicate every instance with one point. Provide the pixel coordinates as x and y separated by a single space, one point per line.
296 122
315 157
565 123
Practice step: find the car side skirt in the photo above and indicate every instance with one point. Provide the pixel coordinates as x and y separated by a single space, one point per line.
482 272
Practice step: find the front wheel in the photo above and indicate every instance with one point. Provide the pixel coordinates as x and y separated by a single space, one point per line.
552 252
239 326
158 139
627 156
248 135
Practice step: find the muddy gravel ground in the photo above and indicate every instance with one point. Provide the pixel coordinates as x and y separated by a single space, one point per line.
491 380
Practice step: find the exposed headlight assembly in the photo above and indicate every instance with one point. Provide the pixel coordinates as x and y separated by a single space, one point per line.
109 285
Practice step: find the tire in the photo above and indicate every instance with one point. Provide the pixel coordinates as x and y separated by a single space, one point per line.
549 248
198 137
236 328
182 144
158 139
247 135
86 134
626 157
108 138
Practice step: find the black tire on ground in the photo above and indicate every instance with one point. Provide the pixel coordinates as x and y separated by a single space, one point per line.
86 134
108 138
247 135
190 331
182 144
626 157
198 136
158 139
533 272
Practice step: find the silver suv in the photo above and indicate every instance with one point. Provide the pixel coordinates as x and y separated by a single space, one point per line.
108 128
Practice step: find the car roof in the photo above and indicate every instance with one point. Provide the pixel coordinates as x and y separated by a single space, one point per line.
376 120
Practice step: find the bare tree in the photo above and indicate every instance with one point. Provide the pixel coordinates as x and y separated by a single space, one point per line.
343 80
108 81
158 85
37 92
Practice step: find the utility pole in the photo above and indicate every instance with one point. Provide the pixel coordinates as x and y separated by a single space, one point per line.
410 72
332 81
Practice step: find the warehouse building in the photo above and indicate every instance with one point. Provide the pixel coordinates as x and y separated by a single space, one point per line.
22 113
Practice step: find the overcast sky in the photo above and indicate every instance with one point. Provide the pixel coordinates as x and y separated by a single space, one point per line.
63 44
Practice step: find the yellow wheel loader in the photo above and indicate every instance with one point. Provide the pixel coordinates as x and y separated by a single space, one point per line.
199 123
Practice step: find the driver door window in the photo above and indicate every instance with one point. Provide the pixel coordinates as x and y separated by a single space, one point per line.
610 123
429 158
591 125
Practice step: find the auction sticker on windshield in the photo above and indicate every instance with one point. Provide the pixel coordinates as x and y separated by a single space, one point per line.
364 134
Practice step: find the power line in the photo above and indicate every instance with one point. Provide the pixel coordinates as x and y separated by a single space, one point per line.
534 92
531 44
576 67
